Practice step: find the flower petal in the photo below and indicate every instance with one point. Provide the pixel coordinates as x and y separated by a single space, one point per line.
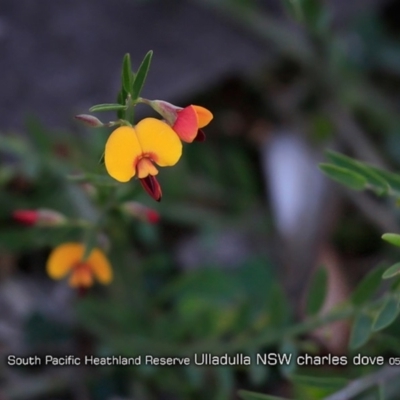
100 266
204 116
63 258
157 139
122 149
186 124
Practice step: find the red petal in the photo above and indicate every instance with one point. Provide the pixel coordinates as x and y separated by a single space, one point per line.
186 124
152 187
27 217
200 137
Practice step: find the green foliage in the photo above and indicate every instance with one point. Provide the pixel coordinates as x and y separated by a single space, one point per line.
387 314
392 238
141 75
392 271
361 330
367 287
107 107
342 175
317 291
246 395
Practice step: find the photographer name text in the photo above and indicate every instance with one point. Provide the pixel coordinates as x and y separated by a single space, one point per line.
204 359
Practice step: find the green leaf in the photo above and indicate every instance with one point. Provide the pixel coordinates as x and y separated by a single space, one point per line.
346 177
391 178
317 292
319 381
107 107
127 76
376 181
387 314
122 95
90 243
392 238
392 271
246 395
361 331
141 75
367 287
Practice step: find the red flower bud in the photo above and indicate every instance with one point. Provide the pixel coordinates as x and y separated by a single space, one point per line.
138 210
89 120
26 217
152 187
40 217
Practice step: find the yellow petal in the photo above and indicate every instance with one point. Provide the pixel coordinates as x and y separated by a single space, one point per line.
100 266
63 258
159 141
204 116
122 149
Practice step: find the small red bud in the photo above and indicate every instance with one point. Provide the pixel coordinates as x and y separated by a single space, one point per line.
138 210
40 217
26 217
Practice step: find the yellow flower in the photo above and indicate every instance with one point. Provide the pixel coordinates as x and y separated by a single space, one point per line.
67 259
133 151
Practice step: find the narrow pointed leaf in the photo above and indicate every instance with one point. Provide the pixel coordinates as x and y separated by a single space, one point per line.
344 176
107 107
392 238
391 178
367 287
141 75
122 95
317 292
376 181
246 395
361 331
392 271
127 76
387 314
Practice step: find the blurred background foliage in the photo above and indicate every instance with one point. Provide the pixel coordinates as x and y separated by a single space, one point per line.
256 250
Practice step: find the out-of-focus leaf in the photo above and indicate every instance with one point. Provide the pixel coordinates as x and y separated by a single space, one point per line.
375 181
361 330
367 287
345 176
317 291
246 395
107 107
90 243
392 238
141 75
391 178
334 383
257 372
387 314
392 271
288 347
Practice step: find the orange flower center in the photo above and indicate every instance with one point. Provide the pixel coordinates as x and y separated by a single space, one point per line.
144 166
81 275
